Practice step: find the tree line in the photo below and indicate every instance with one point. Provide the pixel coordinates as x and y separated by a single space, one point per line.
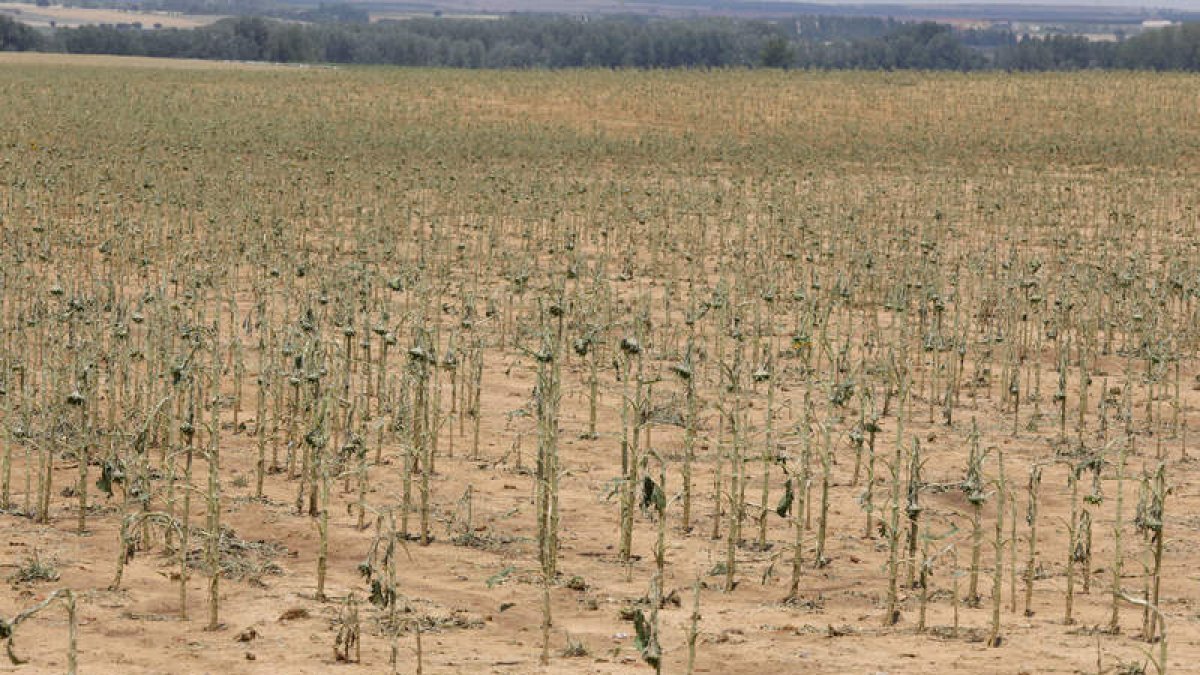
527 41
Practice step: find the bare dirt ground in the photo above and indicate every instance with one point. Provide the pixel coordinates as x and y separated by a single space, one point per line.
476 622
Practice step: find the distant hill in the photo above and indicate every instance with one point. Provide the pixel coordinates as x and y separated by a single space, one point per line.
1076 11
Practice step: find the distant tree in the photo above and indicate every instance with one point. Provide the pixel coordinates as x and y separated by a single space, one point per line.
776 53
17 37
291 44
629 42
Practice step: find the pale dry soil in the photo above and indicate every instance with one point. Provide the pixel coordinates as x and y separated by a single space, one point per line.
837 629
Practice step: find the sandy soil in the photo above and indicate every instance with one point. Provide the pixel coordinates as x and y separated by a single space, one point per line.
837 628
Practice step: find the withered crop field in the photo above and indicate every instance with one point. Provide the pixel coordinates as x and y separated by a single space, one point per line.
377 370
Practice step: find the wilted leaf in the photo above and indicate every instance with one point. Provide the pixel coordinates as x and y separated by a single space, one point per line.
785 504
500 576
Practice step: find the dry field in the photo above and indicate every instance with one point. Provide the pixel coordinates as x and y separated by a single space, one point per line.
419 359
45 59
42 17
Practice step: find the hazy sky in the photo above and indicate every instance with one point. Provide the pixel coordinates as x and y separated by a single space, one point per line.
1177 4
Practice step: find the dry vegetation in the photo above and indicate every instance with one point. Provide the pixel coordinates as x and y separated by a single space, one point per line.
59 15
732 372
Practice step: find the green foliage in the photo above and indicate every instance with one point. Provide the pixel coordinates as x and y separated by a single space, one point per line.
776 53
545 42
645 640
17 37
341 33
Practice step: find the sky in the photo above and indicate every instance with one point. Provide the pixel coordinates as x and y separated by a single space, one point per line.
1150 4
